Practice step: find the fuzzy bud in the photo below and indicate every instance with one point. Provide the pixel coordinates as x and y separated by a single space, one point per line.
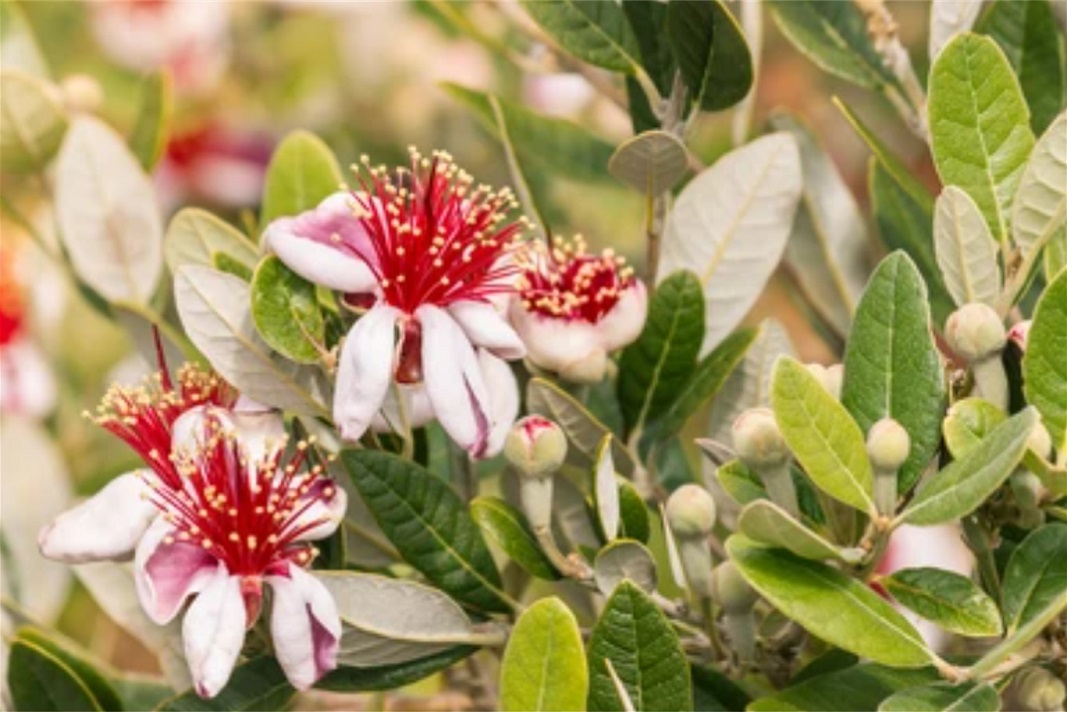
975 332
81 93
888 445
535 447
757 439
829 376
691 512
730 589
1039 690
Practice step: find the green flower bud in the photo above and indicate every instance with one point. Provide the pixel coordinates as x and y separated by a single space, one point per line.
691 512
757 439
731 590
975 332
1038 690
888 445
535 447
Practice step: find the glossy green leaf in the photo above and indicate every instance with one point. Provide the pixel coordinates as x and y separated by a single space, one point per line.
715 692
648 19
428 524
1044 365
644 650
286 311
33 122
859 687
91 673
967 422
258 684
1040 208
544 664
766 522
979 125
1036 576
141 692
830 604
1027 33
196 237
740 482
656 368
959 488
834 36
944 697
651 162
38 680
507 527
633 514
148 137
822 435
595 32
965 249
391 677
711 53
891 335
302 172
952 601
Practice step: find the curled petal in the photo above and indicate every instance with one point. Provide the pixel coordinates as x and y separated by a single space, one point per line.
503 399
365 371
554 344
108 525
324 516
167 571
213 631
487 327
305 627
624 322
454 380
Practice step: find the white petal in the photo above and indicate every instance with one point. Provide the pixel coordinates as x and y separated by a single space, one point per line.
260 432
417 408
487 327
193 427
324 516
167 573
365 371
213 631
503 399
624 322
108 525
453 380
305 627
553 344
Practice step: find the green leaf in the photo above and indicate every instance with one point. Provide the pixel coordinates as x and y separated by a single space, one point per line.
38 680
965 249
834 36
141 692
656 368
1039 212
506 525
952 601
1044 365
890 336
302 173
196 237
715 692
963 485
286 311
648 19
79 663
766 522
1036 576
644 650
391 677
428 524
651 162
969 421
905 223
979 125
258 684
596 32
859 687
830 604
944 697
740 482
634 522
1026 31
149 135
822 435
711 53
544 664
33 122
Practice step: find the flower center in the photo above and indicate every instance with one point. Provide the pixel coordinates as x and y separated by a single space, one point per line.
436 237
250 516
564 282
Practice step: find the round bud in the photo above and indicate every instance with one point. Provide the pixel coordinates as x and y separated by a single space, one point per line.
757 439
81 93
975 332
888 445
1039 690
730 589
691 511
536 446
828 376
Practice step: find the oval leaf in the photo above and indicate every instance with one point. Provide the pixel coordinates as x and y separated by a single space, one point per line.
596 32
107 213
286 311
830 604
651 162
968 421
302 172
390 677
38 680
1040 207
1044 365
944 697
766 522
965 249
196 237
544 664
730 225
859 687
33 122
711 52
258 684
507 526
952 601
624 561
606 491
149 135
1036 576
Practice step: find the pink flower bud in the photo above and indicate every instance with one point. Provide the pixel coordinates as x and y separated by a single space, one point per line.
536 446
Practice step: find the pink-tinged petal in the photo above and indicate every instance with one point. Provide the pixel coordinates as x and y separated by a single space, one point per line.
623 324
554 343
305 627
324 516
167 571
454 380
108 525
417 408
365 370
503 399
213 631
487 327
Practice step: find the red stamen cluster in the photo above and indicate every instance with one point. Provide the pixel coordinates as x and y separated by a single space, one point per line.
564 282
247 515
12 304
436 238
143 416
